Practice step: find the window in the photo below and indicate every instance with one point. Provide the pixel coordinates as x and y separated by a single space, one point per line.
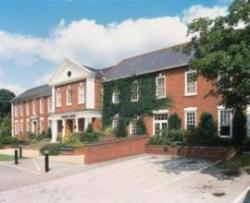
134 91
50 104
225 122
81 124
69 96
16 128
81 94
16 110
34 107
41 105
133 126
160 122
27 108
190 117
41 126
160 86
21 109
115 121
115 97
58 98
21 127
190 83
28 126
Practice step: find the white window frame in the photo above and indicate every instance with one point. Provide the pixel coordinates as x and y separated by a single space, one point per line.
115 97
81 94
159 121
27 108
137 92
69 96
190 110
115 121
186 83
21 109
50 104
58 97
41 105
223 108
160 76
34 107
133 126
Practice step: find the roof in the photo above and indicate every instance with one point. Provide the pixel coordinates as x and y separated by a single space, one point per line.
163 59
98 72
33 93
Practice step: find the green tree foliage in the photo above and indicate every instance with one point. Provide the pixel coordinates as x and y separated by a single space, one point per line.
174 122
222 54
239 127
5 126
89 128
5 106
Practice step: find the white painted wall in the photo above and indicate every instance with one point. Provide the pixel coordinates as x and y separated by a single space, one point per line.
90 93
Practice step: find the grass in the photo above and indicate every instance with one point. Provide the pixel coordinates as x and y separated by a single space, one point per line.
241 162
4 157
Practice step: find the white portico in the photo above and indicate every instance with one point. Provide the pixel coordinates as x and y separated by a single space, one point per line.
73 99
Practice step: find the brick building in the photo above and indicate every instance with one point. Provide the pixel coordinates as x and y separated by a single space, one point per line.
73 97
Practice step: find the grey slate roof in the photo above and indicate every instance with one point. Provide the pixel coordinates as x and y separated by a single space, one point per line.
33 93
163 59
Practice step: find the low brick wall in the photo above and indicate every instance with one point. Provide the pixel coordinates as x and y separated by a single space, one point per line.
192 151
113 149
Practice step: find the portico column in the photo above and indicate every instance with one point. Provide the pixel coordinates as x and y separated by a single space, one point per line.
88 120
54 130
64 128
76 125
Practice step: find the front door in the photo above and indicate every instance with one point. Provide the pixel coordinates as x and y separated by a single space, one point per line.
160 123
69 127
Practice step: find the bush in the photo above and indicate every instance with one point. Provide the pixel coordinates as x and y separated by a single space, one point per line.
174 122
140 127
121 128
73 141
109 131
89 128
239 127
52 148
49 133
90 137
8 140
175 136
207 127
155 140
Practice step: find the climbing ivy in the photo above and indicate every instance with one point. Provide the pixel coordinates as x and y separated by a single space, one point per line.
126 109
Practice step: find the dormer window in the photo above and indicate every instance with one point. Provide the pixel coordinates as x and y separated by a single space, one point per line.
160 86
134 91
69 95
115 97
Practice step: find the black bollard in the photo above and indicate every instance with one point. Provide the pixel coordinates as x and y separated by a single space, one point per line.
46 156
20 152
16 156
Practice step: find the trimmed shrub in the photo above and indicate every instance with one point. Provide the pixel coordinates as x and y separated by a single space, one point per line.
89 128
73 141
207 126
140 127
121 128
8 140
175 136
52 148
155 140
174 122
90 137
239 127
49 133
109 131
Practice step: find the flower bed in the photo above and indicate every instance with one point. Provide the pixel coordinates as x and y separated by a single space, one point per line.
193 151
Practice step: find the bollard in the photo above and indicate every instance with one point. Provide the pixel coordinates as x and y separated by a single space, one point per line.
46 156
16 156
20 152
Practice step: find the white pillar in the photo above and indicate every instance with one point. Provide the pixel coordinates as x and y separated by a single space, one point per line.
76 124
64 127
53 100
54 130
90 93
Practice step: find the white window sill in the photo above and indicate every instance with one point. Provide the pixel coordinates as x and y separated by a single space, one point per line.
190 94
161 97
69 104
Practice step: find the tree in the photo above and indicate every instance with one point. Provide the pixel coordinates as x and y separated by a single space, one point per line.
239 127
207 126
5 106
121 128
140 127
221 53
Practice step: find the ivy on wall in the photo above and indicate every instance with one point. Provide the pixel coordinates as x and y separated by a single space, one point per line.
127 109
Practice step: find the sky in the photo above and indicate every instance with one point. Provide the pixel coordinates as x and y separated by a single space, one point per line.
37 35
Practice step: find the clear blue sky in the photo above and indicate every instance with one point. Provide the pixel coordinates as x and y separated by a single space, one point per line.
22 21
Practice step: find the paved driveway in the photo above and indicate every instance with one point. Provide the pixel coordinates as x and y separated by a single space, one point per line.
142 178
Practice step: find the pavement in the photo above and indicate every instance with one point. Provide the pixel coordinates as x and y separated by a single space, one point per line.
143 178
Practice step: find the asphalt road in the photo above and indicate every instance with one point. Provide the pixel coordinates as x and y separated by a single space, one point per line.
142 178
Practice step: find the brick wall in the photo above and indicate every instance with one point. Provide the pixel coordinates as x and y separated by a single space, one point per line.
114 149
